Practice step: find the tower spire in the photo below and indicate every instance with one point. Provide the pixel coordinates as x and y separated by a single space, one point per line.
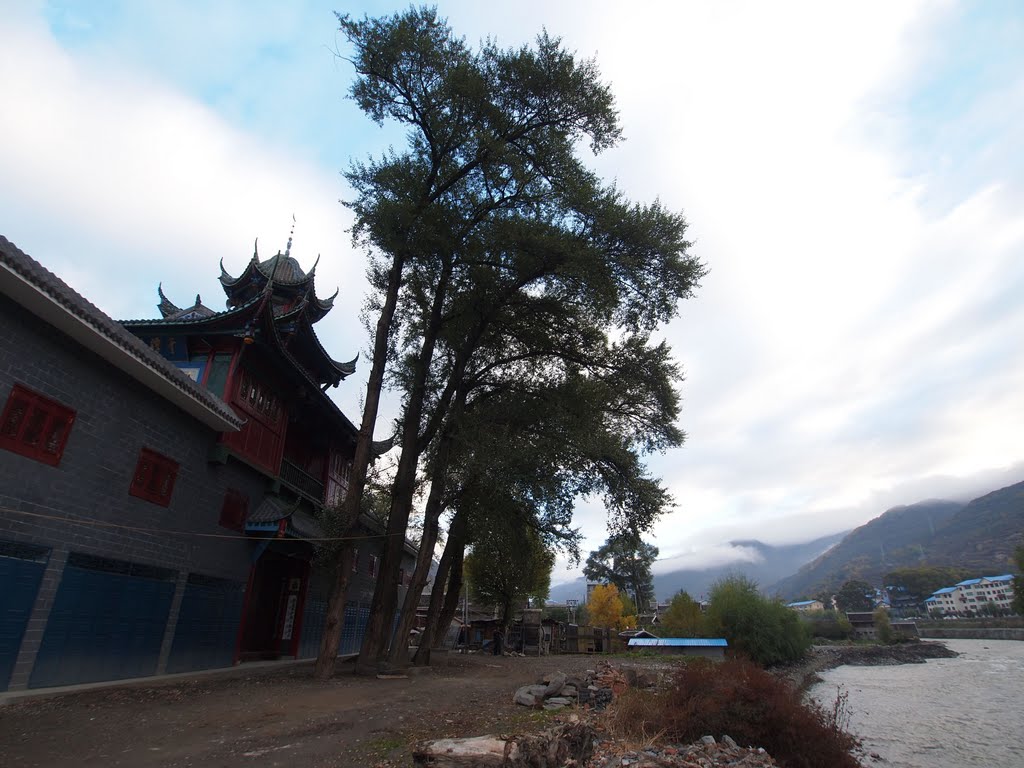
288 248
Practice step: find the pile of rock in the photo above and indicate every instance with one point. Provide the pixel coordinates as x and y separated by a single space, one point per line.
591 689
706 753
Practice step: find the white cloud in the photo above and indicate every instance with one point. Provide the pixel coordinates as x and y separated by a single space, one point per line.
853 345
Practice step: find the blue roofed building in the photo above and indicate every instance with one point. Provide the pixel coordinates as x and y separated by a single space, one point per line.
982 595
806 606
709 647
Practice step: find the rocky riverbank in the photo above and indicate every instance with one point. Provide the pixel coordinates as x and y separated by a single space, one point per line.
822 657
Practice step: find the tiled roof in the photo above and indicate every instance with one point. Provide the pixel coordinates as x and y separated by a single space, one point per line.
93 320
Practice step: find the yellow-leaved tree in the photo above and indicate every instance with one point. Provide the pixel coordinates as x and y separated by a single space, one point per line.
605 608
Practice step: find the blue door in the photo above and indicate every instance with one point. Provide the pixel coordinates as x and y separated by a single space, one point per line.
21 571
356 618
313 623
207 628
107 622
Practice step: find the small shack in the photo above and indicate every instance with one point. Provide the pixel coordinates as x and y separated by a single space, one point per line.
863 623
709 647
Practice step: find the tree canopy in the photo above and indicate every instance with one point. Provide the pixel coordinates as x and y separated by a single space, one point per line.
755 626
683 618
625 560
508 564
502 269
855 595
605 608
921 582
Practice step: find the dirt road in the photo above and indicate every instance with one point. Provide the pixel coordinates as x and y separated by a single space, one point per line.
274 717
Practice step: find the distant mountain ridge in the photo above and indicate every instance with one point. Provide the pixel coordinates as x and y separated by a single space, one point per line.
980 536
775 562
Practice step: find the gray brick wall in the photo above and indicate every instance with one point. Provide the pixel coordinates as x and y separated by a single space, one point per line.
115 418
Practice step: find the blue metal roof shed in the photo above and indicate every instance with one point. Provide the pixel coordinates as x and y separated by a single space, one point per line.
679 642
711 647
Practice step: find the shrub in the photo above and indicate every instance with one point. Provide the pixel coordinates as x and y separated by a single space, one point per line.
830 625
764 630
883 628
738 698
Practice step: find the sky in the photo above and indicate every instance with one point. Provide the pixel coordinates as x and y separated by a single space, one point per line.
852 174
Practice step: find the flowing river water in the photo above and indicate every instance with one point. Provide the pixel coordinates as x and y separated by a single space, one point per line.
945 713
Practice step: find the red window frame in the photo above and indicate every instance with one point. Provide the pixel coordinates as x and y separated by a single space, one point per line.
154 476
235 510
35 426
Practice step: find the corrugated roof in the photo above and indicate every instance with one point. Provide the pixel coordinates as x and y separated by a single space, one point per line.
801 602
680 642
944 591
967 582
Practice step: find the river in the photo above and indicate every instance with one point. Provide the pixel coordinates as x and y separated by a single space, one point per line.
945 713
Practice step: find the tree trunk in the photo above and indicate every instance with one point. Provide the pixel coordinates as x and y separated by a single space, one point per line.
331 638
431 632
350 507
451 597
571 744
385 595
398 654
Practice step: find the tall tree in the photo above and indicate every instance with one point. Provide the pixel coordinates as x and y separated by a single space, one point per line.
489 131
605 607
683 618
855 595
625 560
486 214
508 565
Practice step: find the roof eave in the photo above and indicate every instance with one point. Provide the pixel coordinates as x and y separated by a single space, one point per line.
47 308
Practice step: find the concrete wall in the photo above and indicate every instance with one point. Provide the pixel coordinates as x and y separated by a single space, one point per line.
981 633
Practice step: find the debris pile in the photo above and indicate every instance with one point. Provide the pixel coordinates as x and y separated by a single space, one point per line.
594 689
706 753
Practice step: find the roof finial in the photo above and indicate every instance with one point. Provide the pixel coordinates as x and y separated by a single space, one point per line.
288 248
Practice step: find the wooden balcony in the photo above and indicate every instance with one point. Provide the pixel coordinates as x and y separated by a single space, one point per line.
302 482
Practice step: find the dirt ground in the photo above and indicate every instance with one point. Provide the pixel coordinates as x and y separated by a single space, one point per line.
276 716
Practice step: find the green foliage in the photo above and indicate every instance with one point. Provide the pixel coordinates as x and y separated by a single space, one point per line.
920 582
855 595
830 625
625 560
556 613
883 627
683 618
508 565
764 630
508 280
752 705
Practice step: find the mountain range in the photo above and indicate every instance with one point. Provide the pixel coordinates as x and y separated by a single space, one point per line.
771 563
979 536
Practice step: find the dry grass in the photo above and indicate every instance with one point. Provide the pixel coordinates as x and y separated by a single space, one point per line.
740 699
